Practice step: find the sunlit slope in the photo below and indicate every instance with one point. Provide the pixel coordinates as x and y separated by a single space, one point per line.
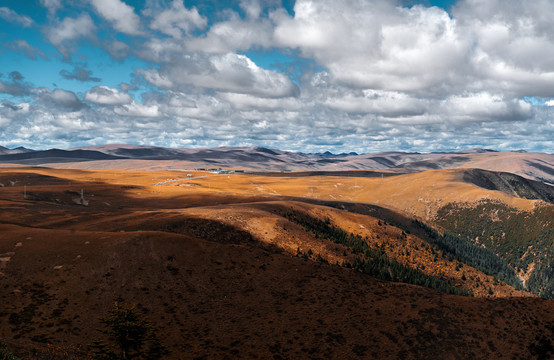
531 164
131 201
420 194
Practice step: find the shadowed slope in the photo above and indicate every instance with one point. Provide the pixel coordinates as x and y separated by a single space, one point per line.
510 184
216 300
214 266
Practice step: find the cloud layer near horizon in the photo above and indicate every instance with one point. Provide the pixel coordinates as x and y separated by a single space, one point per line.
350 76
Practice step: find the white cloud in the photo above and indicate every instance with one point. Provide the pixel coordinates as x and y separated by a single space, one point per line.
252 8
176 105
178 19
11 16
105 95
119 14
495 46
249 102
233 35
416 50
389 103
51 5
385 77
513 45
485 107
228 73
160 50
9 110
4 121
137 110
60 99
70 30
154 77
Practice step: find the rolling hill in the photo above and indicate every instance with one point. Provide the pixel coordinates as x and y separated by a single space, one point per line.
534 166
396 262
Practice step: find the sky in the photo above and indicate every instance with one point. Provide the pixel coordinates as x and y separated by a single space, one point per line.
309 76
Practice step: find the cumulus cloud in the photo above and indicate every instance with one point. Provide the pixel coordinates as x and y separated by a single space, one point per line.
69 30
13 17
384 77
417 50
177 20
229 73
104 95
59 99
496 46
80 74
513 45
183 107
233 35
119 14
486 107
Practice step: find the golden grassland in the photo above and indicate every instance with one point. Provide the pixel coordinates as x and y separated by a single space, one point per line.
212 260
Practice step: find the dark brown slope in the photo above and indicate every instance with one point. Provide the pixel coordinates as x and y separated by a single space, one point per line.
510 184
215 293
215 300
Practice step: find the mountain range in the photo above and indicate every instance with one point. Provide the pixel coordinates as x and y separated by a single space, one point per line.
534 166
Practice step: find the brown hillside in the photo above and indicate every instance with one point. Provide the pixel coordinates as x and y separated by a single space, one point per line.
215 269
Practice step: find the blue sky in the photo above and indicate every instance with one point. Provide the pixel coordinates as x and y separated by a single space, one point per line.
300 75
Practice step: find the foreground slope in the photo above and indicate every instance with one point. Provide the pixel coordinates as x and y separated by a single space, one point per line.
223 270
213 300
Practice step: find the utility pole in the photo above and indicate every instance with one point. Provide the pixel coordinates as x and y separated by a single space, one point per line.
25 192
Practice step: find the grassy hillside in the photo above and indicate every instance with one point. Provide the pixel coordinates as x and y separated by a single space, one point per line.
223 274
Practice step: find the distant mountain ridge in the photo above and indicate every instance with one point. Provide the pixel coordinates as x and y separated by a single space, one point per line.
534 166
17 150
53 155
